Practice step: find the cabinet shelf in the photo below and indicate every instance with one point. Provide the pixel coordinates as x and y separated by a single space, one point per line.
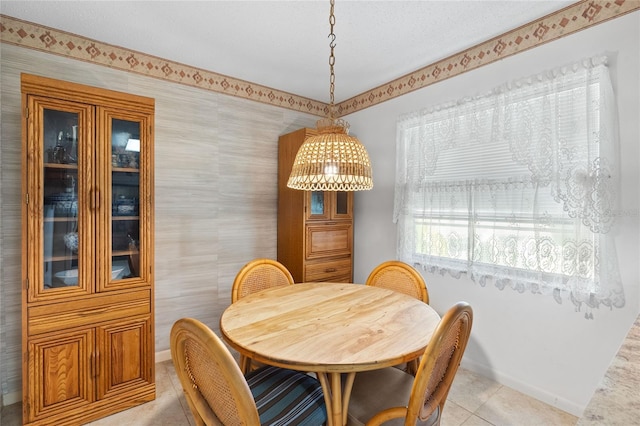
125 170
70 166
121 218
115 253
124 252
60 258
61 219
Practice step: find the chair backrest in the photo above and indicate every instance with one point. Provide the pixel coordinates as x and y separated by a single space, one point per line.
439 364
399 276
215 389
259 274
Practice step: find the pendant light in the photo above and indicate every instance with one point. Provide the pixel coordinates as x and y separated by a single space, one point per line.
332 160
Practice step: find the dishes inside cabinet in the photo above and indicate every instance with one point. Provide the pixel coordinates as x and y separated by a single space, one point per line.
65 204
71 241
125 207
70 276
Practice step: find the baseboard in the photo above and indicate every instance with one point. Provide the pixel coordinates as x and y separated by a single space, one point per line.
15 397
11 398
532 391
163 356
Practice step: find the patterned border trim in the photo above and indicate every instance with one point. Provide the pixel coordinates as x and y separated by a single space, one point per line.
45 39
571 19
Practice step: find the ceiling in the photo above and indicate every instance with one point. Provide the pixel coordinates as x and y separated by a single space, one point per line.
284 44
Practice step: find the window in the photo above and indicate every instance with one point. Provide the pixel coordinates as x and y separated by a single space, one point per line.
517 186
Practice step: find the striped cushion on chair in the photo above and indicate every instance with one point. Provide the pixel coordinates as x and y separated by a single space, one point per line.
287 397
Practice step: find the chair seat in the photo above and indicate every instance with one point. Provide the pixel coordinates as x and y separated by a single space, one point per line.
378 390
287 397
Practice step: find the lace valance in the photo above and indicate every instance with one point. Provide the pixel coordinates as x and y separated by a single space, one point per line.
519 184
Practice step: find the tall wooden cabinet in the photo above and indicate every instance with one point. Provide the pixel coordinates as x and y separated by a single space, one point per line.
315 228
87 252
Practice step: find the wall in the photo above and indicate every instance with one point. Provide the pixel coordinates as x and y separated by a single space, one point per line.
524 341
215 193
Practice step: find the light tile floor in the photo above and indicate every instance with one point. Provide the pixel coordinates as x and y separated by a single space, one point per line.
473 401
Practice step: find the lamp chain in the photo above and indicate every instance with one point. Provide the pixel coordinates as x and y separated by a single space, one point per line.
332 61
331 160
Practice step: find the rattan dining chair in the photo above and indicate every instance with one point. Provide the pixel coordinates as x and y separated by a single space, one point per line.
399 276
402 277
394 397
218 394
256 275
259 274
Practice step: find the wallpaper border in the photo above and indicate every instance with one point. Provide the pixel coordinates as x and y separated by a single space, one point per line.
569 20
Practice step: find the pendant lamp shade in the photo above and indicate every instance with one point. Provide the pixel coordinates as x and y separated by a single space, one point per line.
331 161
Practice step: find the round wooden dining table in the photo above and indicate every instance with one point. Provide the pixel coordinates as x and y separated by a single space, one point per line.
331 329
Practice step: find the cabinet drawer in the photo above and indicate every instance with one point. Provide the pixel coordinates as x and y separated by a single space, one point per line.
338 270
328 240
81 313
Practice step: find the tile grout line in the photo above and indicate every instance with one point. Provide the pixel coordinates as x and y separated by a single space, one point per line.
475 413
178 392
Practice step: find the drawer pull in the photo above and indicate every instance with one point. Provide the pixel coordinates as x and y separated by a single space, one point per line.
330 270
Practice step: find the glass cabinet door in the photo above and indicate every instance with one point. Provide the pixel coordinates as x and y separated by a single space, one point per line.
329 205
343 205
318 205
83 202
123 210
125 196
60 138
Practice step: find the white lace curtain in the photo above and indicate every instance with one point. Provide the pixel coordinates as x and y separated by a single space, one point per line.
518 186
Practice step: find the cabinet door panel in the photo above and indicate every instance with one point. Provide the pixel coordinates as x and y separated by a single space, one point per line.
342 205
328 240
58 227
318 205
126 356
61 379
125 241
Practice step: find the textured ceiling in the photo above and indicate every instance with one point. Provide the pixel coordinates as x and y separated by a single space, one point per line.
284 44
